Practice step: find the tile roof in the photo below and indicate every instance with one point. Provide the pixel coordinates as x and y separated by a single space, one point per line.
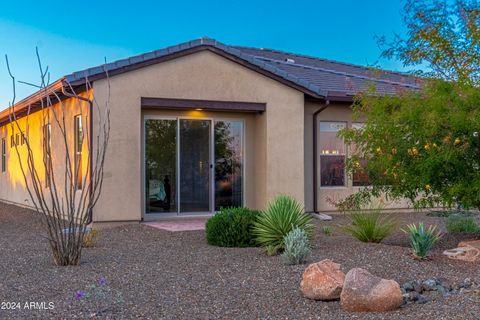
316 76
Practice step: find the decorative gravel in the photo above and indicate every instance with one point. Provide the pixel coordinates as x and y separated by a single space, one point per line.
155 274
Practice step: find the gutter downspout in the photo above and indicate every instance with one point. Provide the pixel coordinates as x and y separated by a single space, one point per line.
315 164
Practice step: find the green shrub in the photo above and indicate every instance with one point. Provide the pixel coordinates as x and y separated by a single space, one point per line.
459 224
231 227
277 220
327 230
297 246
422 240
370 226
271 250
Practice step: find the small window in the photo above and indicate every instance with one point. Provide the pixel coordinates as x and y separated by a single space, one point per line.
47 143
78 127
332 155
359 177
24 138
17 139
12 141
4 155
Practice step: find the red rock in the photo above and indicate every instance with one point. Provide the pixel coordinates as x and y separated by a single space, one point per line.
322 281
364 292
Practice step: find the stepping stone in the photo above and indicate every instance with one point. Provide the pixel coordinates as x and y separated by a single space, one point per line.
466 251
322 216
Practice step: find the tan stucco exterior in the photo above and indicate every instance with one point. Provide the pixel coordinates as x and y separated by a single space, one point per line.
275 154
12 182
279 145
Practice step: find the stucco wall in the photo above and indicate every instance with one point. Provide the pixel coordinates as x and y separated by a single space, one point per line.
334 112
278 149
12 183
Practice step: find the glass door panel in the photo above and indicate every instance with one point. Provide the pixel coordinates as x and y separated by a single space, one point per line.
160 165
195 164
228 139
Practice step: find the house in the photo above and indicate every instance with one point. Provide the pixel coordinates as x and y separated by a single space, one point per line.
203 125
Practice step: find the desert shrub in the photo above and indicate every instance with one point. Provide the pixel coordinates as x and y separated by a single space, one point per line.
231 227
370 225
326 230
90 238
297 246
277 220
459 224
422 240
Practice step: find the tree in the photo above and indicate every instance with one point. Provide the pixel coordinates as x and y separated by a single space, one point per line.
424 145
62 186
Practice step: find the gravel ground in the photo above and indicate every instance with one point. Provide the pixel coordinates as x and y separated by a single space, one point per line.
154 274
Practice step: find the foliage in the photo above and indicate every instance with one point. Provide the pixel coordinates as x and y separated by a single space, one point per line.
271 250
231 227
422 240
443 36
327 230
90 238
424 145
370 225
65 195
421 146
459 224
278 219
297 246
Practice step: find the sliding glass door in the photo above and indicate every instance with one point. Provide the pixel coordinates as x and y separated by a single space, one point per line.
161 165
193 165
228 164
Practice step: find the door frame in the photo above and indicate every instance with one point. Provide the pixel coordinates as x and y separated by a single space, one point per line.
177 214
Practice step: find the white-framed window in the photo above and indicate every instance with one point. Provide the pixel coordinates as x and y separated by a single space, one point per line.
332 154
4 155
47 144
78 141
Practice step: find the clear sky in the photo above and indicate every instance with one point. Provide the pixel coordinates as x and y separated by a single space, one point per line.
72 35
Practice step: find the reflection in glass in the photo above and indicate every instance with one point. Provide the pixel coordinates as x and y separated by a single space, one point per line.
332 154
228 164
160 165
332 171
359 177
194 165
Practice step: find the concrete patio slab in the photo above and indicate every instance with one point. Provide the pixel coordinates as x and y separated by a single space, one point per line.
178 225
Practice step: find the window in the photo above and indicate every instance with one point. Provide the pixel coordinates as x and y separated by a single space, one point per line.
17 139
359 177
47 143
78 151
332 155
228 163
4 155
12 141
24 138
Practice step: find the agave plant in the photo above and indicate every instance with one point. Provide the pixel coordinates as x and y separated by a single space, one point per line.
279 218
421 239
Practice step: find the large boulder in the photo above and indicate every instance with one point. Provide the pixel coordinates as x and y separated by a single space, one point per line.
322 281
467 251
363 291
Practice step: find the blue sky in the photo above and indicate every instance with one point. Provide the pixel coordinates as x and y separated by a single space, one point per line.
73 35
